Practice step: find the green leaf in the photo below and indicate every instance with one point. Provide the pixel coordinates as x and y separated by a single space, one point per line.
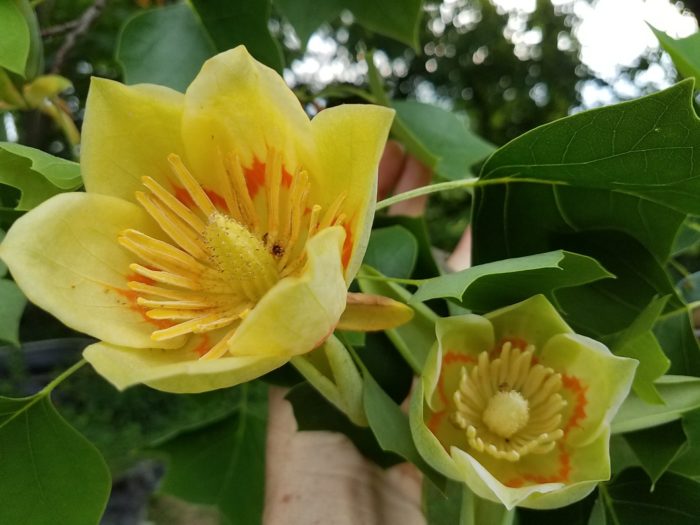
688 463
628 499
123 424
224 464
442 508
638 342
398 19
680 394
36 174
634 160
391 428
414 339
230 24
674 331
657 447
688 237
425 262
575 514
446 135
393 251
476 510
690 287
165 46
307 15
12 303
15 41
685 52
489 286
48 472
313 412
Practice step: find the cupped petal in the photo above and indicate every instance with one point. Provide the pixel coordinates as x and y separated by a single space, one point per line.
460 340
238 106
65 256
428 446
350 140
298 313
128 133
177 371
533 321
595 383
369 313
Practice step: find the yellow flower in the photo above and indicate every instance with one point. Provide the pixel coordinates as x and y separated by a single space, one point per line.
219 230
518 407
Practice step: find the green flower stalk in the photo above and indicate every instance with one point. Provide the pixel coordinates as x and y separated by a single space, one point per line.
518 407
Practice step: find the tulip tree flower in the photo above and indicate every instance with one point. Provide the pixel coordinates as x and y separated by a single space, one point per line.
219 230
518 407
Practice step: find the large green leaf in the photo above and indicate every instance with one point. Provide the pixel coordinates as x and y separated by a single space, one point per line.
37 175
224 464
15 41
49 473
638 342
306 16
680 394
688 462
446 135
230 24
674 331
441 508
629 500
492 285
12 303
3 268
164 46
685 52
628 167
391 428
657 447
393 251
398 19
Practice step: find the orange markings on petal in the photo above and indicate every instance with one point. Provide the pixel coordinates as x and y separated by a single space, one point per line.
578 391
217 200
255 177
286 178
562 475
435 421
204 346
347 246
448 359
132 299
183 196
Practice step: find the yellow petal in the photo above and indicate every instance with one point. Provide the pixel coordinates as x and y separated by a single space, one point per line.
298 313
65 256
177 371
368 313
350 140
127 134
238 106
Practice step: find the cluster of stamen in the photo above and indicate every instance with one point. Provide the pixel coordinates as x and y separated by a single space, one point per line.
509 406
223 251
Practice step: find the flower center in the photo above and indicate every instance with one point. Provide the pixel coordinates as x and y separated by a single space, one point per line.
225 248
508 406
506 413
242 258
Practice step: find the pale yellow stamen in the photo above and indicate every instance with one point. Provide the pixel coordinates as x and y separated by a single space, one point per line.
508 407
235 172
191 185
177 207
273 178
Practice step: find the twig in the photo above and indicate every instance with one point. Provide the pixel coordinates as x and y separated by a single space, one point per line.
59 28
82 25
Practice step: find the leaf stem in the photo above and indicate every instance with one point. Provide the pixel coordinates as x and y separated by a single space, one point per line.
62 377
384 279
471 182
